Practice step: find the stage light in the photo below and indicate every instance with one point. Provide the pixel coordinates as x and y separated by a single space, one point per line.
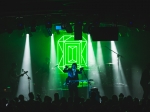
33 26
63 24
49 31
86 28
20 24
146 27
130 24
68 28
48 24
58 27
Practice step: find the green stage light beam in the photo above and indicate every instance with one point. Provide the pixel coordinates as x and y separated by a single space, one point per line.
53 65
118 74
100 63
54 78
93 72
25 84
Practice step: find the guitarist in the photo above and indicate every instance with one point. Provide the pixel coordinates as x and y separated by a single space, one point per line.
144 82
14 79
72 75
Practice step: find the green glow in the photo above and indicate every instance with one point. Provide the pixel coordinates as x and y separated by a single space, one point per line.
120 34
137 29
70 51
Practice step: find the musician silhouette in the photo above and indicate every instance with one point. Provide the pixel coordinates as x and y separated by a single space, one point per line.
145 80
72 79
13 80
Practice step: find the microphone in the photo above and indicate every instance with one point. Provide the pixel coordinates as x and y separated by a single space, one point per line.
81 69
56 65
25 72
66 66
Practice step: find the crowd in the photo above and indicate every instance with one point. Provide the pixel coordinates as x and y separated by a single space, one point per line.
116 103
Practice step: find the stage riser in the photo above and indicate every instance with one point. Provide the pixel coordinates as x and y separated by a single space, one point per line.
65 93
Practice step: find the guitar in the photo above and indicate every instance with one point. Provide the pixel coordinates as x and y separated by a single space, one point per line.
15 79
71 81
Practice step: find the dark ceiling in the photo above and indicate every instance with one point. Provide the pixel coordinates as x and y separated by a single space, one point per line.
69 6
103 9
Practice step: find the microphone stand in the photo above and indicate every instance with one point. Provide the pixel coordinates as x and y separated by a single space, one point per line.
29 78
88 83
118 55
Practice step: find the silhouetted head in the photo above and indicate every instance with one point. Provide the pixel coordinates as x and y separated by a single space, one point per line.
31 96
114 98
74 67
46 98
21 97
56 96
121 95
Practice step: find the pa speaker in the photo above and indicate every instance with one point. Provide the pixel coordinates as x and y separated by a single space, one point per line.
104 33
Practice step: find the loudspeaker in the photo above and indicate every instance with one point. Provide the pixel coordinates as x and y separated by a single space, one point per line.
104 33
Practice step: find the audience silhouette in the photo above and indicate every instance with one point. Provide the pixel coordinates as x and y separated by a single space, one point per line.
116 103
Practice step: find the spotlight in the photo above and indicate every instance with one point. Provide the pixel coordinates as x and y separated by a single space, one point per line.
48 24
130 23
86 28
49 31
68 28
20 23
146 27
33 26
63 24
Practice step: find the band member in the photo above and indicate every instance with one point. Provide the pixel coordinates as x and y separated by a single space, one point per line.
13 79
145 79
72 79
